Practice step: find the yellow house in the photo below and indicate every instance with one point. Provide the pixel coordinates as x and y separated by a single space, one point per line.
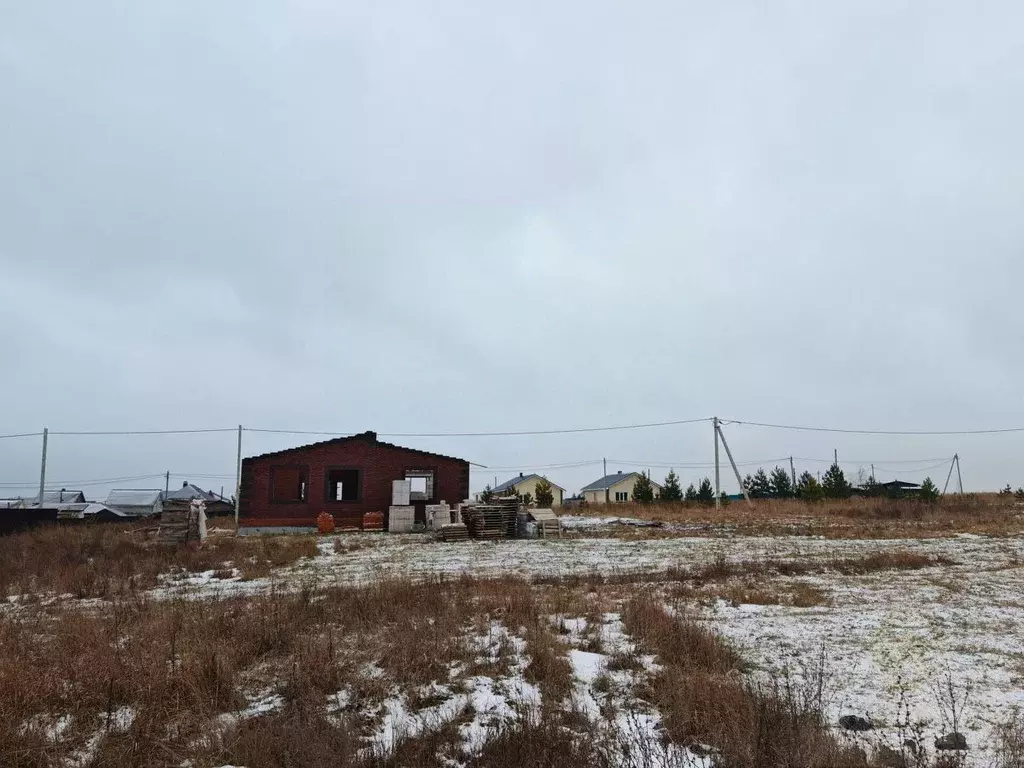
611 489
527 484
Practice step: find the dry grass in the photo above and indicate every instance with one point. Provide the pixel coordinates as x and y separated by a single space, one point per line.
108 561
850 518
180 664
704 699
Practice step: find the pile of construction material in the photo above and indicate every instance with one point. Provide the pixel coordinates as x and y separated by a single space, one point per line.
401 514
438 515
182 520
401 519
493 520
453 532
540 522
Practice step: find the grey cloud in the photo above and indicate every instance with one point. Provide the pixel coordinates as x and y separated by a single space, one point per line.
449 217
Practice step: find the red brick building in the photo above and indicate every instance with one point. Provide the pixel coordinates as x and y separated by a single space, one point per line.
346 477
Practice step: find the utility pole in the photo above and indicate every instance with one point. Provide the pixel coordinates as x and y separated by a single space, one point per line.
42 470
735 469
835 456
167 482
718 490
872 471
949 475
792 471
238 477
960 481
607 496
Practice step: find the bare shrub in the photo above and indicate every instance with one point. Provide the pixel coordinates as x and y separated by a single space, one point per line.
1009 743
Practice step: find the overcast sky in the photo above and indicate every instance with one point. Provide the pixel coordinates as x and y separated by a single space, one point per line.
429 217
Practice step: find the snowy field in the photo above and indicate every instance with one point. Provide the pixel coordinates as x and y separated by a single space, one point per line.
901 645
885 634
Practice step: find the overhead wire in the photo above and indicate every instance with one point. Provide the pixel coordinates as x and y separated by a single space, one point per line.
145 431
513 433
895 432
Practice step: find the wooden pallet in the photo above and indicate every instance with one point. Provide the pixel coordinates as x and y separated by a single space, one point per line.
454 532
496 520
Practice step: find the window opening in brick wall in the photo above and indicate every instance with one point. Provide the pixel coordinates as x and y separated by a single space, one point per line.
343 484
622 495
288 484
422 484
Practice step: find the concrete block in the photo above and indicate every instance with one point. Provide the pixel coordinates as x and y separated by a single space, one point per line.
401 491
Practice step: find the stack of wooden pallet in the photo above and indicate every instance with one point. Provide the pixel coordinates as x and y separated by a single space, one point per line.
496 520
454 532
179 522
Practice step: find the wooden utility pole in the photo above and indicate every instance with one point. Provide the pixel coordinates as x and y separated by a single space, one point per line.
167 482
607 493
835 456
735 469
959 479
792 471
42 470
718 489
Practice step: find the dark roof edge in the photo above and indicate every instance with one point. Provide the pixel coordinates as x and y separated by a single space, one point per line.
369 437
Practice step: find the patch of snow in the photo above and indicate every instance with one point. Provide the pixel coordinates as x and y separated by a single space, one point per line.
120 719
53 729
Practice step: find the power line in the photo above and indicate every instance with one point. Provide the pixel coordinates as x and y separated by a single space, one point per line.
876 431
145 432
95 481
691 464
873 461
22 434
517 433
521 467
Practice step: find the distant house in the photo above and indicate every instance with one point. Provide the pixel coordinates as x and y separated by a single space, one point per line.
136 502
611 489
215 503
527 484
63 496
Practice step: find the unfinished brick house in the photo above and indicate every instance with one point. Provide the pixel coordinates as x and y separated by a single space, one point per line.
347 477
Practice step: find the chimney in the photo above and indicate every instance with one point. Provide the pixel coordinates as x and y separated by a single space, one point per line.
185 484
520 474
371 436
620 471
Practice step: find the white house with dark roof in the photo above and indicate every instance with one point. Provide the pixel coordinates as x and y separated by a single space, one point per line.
527 484
611 489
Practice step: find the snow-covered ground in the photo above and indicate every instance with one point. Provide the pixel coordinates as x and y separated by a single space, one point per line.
914 632
883 632
418 556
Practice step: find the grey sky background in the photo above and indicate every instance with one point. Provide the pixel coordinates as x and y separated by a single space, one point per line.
419 217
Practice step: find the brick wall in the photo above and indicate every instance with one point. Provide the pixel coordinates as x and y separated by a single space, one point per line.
379 463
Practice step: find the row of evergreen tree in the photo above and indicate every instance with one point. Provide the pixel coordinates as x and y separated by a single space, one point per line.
761 485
